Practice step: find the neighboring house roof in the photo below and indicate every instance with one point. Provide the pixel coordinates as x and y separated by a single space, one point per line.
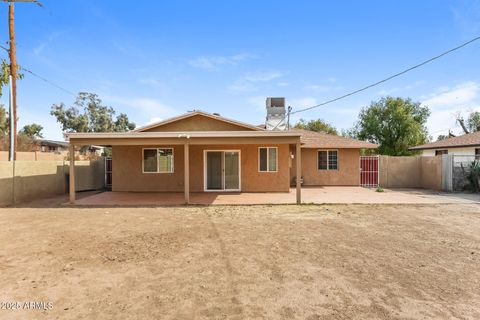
321 140
198 113
466 140
53 143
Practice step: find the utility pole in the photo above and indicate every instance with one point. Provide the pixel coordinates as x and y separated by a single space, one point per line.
13 79
288 117
13 76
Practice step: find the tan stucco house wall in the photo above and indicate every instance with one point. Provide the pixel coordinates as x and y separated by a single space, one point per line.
127 174
348 173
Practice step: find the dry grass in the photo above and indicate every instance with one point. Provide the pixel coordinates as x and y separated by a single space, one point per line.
256 262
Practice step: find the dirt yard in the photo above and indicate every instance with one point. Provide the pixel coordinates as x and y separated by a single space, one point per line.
257 262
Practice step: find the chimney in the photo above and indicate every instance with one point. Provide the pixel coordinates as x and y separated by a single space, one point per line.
275 114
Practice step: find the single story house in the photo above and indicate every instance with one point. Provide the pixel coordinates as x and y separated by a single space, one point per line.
467 145
203 152
45 145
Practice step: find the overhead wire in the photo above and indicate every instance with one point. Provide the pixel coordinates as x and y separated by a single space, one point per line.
388 78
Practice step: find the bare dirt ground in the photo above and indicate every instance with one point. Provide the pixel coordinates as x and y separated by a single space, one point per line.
254 262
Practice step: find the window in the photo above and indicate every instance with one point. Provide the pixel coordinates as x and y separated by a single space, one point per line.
327 160
267 159
477 153
440 152
158 160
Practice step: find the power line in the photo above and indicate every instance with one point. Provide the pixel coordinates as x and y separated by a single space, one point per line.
48 81
441 130
390 77
42 78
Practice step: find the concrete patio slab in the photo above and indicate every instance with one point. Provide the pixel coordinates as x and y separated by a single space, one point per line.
318 195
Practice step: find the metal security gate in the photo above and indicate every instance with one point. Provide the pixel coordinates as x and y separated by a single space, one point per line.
369 171
108 173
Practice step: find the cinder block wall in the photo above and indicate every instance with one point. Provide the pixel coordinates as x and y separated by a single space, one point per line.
411 172
22 181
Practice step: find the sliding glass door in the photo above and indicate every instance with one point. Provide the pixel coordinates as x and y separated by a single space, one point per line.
222 170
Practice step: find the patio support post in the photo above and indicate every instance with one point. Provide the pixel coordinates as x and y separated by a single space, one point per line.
298 166
72 173
186 148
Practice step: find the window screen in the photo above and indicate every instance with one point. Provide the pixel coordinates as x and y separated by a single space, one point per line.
332 160
327 160
263 159
165 160
267 159
158 160
272 159
150 160
322 160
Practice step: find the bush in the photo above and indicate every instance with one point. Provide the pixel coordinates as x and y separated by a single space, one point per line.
473 176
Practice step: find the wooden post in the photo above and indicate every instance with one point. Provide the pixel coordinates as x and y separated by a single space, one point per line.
72 173
186 171
298 155
13 73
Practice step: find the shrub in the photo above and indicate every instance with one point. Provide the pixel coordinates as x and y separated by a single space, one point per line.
473 175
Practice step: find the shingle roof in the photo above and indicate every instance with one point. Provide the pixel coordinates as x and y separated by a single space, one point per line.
466 140
53 142
312 139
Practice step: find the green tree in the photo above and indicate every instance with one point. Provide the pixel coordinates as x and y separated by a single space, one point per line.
396 124
316 125
473 121
33 131
88 114
5 73
442 137
3 121
4 80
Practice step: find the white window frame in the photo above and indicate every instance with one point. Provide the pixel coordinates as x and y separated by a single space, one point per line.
158 162
328 160
268 160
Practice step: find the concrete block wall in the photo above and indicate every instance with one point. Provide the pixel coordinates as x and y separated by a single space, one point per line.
22 181
411 172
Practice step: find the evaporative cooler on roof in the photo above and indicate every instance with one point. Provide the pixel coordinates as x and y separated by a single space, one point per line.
275 114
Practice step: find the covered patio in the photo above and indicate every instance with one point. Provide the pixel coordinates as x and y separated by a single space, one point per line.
310 195
188 183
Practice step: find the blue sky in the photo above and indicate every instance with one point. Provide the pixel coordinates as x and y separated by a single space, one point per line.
157 59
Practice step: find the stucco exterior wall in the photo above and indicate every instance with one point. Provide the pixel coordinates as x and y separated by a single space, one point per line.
127 169
457 151
127 172
348 173
6 183
34 156
400 172
411 172
197 123
431 175
22 181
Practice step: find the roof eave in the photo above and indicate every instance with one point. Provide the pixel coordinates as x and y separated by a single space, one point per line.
444 147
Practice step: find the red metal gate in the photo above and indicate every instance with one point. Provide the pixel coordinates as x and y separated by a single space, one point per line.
369 171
